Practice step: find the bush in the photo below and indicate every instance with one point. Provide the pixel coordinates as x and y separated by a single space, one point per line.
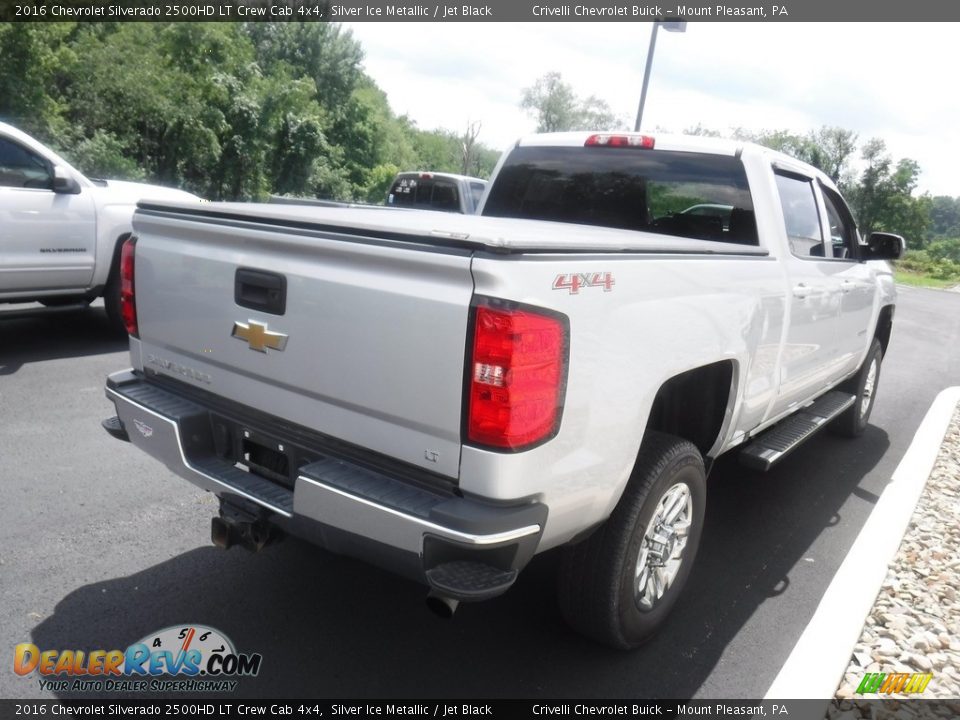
941 260
104 156
945 250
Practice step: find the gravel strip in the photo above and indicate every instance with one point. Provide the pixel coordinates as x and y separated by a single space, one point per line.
914 626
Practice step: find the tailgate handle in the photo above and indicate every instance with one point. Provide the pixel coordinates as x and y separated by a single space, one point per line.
261 290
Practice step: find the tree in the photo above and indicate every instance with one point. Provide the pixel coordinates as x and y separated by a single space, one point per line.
325 52
830 148
227 110
557 108
701 131
944 217
33 58
468 148
882 198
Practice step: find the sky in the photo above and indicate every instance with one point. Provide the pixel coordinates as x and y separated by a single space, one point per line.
895 81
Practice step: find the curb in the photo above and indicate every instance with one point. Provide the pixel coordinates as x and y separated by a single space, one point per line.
817 663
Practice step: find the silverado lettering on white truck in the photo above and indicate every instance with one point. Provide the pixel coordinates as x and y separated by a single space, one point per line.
448 395
60 232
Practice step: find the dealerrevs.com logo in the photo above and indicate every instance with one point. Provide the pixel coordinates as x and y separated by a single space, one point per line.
182 658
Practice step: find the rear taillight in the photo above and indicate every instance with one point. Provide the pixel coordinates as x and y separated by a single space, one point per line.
641 142
128 304
517 375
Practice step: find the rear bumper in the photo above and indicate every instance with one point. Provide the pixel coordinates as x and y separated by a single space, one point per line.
436 537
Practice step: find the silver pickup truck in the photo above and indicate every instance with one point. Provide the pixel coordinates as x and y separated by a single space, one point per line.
447 395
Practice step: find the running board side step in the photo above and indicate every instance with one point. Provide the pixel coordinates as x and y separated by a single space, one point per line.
769 448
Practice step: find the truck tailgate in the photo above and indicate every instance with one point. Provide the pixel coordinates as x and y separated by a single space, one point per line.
369 348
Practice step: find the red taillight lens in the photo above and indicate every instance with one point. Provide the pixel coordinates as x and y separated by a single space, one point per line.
642 142
517 372
128 304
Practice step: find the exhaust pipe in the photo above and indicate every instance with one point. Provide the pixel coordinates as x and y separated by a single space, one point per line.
441 605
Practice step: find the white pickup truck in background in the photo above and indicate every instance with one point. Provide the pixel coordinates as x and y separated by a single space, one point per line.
447 395
60 232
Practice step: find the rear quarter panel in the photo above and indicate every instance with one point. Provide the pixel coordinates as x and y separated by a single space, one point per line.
663 315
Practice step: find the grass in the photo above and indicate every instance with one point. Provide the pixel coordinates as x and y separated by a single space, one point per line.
908 278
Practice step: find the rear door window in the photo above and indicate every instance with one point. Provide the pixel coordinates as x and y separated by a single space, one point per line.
681 194
843 229
800 216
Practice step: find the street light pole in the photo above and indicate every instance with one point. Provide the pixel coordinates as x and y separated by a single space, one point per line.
671 26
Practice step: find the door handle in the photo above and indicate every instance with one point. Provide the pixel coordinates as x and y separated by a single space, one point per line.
846 286
801 291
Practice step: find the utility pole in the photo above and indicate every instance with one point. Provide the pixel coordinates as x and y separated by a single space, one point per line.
669 26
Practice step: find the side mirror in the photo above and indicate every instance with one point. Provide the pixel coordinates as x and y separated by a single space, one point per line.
64 183
884 246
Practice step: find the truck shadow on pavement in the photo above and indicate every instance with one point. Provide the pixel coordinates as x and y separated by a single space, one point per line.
330 627
31 335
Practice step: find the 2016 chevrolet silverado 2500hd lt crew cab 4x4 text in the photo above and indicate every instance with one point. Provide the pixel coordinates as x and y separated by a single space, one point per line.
60 232
447 395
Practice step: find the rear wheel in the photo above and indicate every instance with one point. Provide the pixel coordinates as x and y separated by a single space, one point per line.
863 386
619 585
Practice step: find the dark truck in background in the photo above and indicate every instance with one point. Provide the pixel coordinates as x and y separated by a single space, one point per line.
437 191
442 192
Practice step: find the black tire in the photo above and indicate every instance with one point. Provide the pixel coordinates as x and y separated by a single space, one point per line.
111 293
854 419
598 575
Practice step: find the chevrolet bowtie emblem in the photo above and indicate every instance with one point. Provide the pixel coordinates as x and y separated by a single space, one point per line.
258 337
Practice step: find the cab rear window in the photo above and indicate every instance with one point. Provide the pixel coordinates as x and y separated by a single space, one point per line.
682 194
425 193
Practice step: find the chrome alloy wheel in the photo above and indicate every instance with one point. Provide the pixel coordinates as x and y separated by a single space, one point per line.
661 551
868 388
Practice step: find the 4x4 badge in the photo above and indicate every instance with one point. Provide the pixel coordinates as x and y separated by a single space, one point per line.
258 337
144 429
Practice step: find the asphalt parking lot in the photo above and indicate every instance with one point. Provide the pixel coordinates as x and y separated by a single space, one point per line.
100 545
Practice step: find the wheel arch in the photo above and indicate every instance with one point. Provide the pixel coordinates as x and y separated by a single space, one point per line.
697 405
884 326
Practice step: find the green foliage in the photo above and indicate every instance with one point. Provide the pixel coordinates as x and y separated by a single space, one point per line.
940 250
556 107
104 155
940 261
227 110
33 58
881 196
944 217
905 277
830 148
379 180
